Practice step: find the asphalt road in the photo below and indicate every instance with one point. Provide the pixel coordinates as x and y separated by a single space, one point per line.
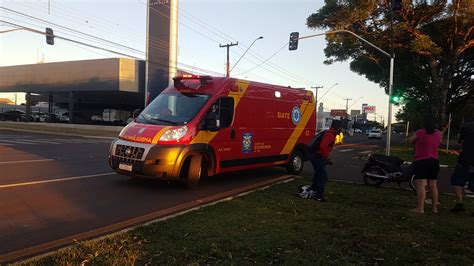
53 187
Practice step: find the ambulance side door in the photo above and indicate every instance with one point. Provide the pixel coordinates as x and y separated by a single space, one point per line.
225 143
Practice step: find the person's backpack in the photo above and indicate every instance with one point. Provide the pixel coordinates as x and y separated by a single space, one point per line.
314 144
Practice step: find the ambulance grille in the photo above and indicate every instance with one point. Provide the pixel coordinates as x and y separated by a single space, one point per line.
129 152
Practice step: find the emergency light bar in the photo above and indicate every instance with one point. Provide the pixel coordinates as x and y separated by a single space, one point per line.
178 81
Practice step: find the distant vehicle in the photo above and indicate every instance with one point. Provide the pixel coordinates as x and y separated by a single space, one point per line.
38 116
357 130
52 118
115 116
64 117
96 118
375 134
12 115
78 117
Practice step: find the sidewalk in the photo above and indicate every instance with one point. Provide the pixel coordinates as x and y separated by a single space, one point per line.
98 131
359 225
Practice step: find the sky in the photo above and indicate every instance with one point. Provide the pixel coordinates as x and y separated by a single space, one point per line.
203 25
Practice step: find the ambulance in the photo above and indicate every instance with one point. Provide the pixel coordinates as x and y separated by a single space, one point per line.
202 126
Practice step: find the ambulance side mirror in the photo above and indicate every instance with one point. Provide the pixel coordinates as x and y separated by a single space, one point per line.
136 113
212 124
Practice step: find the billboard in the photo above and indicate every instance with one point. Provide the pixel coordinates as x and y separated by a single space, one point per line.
355 112
338 112
162 36
369 109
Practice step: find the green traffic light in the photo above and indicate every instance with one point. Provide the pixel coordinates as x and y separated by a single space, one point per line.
396 99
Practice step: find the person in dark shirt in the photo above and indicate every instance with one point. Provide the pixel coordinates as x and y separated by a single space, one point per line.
464 171
320 159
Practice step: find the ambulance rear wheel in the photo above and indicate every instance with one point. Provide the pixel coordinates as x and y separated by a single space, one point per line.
194 172
296 163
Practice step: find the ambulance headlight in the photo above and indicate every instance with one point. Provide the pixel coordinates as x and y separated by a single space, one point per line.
174 134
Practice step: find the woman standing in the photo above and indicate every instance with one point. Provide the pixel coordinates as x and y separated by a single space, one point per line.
426 163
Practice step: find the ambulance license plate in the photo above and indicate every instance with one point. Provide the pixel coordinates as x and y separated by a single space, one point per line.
125 167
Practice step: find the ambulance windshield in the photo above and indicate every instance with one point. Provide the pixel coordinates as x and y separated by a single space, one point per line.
172 109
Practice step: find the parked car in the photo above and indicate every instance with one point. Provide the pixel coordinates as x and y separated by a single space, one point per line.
52 118
357 130
96 118
64 117
12 115
375 134
38 116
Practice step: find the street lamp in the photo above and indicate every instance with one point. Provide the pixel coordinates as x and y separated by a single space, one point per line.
259 38
390 86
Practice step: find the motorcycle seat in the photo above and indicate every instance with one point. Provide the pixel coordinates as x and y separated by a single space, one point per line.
391 160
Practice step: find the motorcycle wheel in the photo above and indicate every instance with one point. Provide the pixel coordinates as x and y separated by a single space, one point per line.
412 183
373 181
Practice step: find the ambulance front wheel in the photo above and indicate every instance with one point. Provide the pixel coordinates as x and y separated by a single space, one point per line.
194 172
296 163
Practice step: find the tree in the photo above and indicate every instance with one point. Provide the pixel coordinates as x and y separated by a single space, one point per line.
433 43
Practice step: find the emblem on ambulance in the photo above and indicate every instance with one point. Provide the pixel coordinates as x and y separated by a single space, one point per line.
295 115
141 130
247 143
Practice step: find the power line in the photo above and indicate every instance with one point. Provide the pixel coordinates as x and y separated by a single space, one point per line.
289 76
73 30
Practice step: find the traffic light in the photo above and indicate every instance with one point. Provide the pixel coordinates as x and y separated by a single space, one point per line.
396 99
396 5
49 36
293 44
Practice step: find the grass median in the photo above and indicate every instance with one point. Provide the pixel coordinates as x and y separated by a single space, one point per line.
359 225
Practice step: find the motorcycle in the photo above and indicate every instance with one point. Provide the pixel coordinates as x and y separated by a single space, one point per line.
387 169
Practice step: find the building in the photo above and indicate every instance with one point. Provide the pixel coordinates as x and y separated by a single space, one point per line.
85 88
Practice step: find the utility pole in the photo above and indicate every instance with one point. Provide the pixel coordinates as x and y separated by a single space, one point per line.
316 103
228 63
347 104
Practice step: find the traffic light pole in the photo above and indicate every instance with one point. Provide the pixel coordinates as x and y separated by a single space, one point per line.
20 27
390 86
389 120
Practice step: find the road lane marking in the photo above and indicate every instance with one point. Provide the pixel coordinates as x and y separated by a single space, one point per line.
52 180
346 150
27 161
39 141
6 144
365 152
19 142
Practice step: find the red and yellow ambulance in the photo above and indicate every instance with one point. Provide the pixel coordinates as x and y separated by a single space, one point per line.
204 125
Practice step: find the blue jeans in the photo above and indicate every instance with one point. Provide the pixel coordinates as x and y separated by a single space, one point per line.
320 176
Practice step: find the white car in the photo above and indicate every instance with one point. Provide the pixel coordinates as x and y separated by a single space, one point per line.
375 134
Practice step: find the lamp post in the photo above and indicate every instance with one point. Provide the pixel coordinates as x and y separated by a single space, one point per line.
259 38
316 103
390 86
